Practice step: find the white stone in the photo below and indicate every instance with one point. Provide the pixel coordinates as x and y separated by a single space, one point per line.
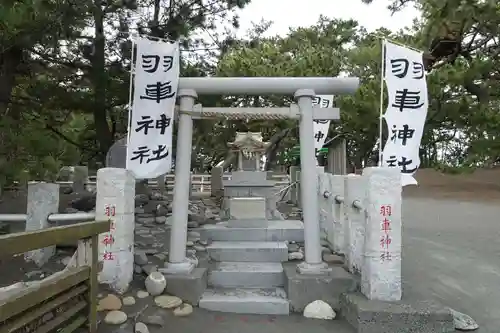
200 248
168 302
155 283
129 300
189 243
296 256
463 322
319 310
194 234
142 294
65 261
161 219
115 317
110 302
141 328
183 310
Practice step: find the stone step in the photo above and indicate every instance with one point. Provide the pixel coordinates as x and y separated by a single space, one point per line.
290 230
247 275
248 251
249 301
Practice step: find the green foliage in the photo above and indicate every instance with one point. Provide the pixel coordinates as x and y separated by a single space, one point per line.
64 78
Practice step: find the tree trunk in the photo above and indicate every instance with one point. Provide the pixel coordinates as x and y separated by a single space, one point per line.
273 147
103 132
10 59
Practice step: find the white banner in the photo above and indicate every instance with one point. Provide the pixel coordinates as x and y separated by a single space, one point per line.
321 126
149 146
406 111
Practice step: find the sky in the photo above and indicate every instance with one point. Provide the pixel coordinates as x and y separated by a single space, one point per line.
293 13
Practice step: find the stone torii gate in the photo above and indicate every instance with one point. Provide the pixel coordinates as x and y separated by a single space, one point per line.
304 90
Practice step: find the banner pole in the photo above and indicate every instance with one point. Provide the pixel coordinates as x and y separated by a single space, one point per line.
381 115
130 95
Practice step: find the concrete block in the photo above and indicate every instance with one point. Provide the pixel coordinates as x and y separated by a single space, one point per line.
189 287
247 223
249 176
248 251
247 208
287 230
253 190
247 274
250 301
370 316
303 289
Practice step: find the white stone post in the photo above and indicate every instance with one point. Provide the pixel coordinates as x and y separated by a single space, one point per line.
80 177
216 181
381 272
162 187
43 200
309 186
178 263
338 236
115 202
353 205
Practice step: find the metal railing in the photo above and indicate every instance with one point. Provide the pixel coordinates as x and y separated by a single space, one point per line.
52 218
201 183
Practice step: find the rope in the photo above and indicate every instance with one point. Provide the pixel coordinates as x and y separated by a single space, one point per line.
238 116
285 191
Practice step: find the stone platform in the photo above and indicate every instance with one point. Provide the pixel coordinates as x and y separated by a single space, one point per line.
368 316
276 230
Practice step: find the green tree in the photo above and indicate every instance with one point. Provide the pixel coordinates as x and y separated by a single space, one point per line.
311 51
64 68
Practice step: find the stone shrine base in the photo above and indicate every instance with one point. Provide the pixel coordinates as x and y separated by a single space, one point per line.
189 287
303 289
367 316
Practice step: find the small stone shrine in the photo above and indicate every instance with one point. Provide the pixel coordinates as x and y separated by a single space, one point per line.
249 148
248 196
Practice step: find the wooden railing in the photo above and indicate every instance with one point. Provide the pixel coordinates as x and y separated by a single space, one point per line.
64 301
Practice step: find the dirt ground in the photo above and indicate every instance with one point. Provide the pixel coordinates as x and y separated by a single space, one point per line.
481 185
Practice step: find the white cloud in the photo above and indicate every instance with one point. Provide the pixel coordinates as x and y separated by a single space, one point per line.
294 13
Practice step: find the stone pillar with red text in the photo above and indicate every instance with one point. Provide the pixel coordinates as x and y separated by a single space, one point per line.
381 271
115 202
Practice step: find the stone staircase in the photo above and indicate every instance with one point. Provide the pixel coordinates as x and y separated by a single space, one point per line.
248 251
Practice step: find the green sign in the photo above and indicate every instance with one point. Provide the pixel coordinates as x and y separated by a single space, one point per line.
295 151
